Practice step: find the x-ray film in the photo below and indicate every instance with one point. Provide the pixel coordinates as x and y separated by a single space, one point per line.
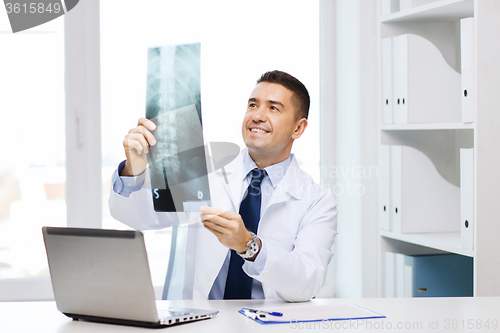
177 163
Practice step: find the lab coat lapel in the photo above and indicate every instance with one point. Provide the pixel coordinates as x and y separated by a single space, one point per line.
234 173
291 184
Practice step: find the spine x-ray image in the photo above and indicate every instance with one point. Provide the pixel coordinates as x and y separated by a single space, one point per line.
177 163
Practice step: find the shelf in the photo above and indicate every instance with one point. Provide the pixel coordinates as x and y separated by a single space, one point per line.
449 242
443 10
426 126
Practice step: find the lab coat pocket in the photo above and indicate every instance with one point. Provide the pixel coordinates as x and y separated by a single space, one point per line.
283 239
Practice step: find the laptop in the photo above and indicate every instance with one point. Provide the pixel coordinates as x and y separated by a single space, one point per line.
103 276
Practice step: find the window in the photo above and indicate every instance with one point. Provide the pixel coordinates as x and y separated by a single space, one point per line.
32 166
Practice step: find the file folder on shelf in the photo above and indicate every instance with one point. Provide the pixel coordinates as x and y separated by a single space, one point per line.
389 274
384 180
421 199
467 198
388 7
392 6
416 3
405 4
425 88
387 100
396 175
438 275
467 52
394 277
400 79
399 264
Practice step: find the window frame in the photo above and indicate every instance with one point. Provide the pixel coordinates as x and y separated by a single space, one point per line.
82 135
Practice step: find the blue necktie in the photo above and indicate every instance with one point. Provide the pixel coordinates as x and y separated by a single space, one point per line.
238 283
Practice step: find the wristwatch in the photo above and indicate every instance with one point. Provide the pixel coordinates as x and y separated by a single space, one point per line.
253 247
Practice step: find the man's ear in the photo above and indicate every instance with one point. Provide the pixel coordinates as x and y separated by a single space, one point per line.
300 127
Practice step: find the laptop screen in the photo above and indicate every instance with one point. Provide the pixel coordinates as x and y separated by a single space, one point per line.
103 273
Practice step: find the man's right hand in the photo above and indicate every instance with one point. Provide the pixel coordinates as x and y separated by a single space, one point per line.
136 144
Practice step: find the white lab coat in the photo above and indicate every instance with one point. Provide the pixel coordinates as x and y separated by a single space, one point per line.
298 227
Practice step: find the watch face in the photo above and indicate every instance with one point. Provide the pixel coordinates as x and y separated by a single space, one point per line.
252 247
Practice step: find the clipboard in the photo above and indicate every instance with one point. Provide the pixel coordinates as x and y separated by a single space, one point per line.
311 314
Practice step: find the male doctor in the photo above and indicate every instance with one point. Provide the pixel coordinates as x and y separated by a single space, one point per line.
271 229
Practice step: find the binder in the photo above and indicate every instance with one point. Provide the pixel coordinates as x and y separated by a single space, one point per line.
425 88
387 101
421 199
388 6
399 265
389 274
396 170
405 4
408 276
467 198
438 275
417 3
400 79
384 179
385 7
467 61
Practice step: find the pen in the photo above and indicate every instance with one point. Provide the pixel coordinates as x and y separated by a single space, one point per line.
277 314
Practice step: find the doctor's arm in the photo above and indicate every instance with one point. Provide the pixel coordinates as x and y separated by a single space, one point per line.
130 200
299 274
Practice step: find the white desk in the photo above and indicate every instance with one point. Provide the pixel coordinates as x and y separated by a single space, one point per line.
418 314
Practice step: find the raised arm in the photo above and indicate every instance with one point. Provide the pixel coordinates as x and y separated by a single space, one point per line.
130 201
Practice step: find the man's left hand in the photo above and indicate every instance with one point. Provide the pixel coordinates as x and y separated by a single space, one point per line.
228 227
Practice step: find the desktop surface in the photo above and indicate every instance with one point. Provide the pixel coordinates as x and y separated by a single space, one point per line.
403 315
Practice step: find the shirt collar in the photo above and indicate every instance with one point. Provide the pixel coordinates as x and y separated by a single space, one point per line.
276 172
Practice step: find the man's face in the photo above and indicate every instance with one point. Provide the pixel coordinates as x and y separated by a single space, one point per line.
269 122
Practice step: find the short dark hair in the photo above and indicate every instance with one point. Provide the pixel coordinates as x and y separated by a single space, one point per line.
301 100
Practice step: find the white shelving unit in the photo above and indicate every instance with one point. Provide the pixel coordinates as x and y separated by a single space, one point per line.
442 241
439 22
443 10
431 126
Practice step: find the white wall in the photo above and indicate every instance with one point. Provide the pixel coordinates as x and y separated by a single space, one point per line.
327 115
353 116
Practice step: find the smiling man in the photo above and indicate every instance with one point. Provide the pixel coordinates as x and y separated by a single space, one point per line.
274 227
271 123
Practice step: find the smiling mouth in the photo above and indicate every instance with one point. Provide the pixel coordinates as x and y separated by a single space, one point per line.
258 130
